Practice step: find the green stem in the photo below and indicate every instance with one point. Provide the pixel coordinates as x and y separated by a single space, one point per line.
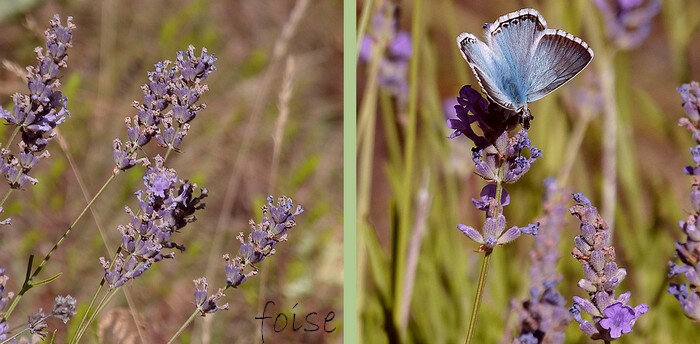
182 328
103 303
28 282
478 296
12 137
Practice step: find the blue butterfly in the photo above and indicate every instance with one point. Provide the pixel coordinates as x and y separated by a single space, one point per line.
522 60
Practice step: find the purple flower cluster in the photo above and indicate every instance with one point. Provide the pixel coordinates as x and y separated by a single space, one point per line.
38 113
393 66
544 316
207 304
169 104
628 21
276 222
166 205
498 159
688 252
5 298
611 317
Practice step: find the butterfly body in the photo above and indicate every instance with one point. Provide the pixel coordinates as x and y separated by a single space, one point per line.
522 60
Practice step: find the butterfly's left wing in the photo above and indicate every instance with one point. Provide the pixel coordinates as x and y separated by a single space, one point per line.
557 58
486 65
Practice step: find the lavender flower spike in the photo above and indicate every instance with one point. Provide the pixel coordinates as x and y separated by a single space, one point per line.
498 158
5 298
278 219
628 21
393 66
611 317
38 113
544 316
169 104
688 252
207 304
166 205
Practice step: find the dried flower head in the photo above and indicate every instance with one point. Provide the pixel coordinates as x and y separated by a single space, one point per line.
277 220
37 323
611 317
170 103
688 252
64 308
38 113
166 205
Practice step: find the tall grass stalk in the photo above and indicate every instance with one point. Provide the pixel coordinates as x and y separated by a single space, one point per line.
405 200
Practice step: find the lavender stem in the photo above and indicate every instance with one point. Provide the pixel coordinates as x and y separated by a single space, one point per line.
478 296
182 328
28 283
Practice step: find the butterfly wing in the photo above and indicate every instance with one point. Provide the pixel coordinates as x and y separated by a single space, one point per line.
557 58
510 41
485 65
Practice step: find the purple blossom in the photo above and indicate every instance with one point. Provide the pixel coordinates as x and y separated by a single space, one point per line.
611 317
207 304
5 298
39 112
277 220
393 64
166 205
688 252
544 316
169 104
628 21
498 159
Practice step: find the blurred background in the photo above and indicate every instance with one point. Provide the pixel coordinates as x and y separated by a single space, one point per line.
229 150
614 126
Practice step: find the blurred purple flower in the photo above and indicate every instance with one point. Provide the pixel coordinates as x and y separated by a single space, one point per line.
688 252
5 298
166 205
544 315
169 104
611 317
207 304
393 64
38 113
628 21
277 220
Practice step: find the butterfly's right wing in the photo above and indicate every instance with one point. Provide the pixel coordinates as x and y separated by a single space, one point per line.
558 57
485 65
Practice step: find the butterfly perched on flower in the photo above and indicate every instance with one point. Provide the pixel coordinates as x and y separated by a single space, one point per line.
522 60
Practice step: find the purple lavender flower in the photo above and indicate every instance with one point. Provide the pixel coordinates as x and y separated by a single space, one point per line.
688 252
166 205
611 317
207 304
628 21
5 298
39 112
544 316
393 66
498 159
169 104
277 221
